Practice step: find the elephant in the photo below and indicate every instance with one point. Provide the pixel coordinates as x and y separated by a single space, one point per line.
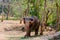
31 23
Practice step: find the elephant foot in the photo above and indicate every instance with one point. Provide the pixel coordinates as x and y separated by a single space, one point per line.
36 34
27 36
41 33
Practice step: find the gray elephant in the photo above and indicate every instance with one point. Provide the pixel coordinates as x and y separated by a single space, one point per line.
31 23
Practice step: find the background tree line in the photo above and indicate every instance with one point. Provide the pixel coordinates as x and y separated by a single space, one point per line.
48 11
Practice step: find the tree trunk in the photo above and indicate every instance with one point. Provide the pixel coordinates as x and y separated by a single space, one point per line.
44 16
8 12
2 11
57 17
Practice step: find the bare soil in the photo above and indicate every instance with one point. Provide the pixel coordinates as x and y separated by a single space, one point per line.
16 35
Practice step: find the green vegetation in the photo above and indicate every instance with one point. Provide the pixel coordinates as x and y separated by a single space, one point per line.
47 11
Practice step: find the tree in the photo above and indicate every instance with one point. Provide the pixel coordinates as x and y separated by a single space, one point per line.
57 16
8 11
2 11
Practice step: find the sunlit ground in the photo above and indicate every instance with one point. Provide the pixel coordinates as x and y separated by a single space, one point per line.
16 35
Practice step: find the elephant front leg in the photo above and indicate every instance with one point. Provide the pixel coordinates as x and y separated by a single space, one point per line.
28 31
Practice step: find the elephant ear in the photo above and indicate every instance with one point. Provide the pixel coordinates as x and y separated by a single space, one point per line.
23 20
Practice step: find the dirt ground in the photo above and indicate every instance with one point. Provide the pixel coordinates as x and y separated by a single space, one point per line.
15 35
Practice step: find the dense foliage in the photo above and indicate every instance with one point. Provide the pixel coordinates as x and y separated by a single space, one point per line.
44 9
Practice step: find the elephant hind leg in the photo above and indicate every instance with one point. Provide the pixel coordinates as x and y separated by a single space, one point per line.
41 33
